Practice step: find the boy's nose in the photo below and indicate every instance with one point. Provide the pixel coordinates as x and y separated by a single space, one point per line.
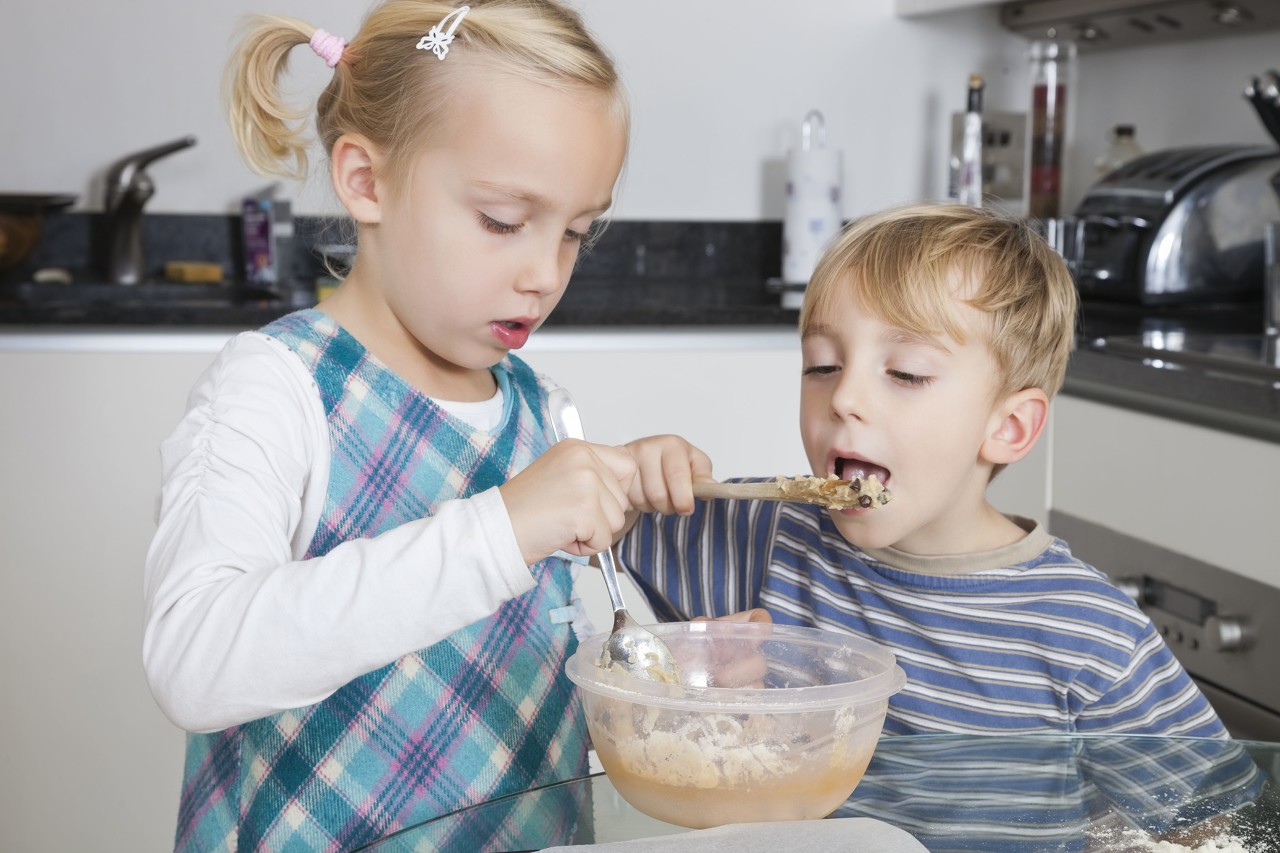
849 400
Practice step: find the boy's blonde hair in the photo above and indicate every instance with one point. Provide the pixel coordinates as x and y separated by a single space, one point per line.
385 89
907 264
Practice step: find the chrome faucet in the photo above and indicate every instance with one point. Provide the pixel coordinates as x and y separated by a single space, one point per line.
1271 293
128 188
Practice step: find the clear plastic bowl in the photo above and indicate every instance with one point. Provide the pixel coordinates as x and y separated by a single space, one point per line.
769 722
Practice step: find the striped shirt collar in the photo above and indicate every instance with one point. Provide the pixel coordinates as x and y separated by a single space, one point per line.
1024 550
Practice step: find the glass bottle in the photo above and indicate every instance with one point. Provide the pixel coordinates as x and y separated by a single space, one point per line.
1122 148
969 183
1051 68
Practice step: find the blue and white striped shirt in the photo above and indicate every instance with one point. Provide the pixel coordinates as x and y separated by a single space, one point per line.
1023 639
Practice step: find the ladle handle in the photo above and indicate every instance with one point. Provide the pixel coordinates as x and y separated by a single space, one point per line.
566 423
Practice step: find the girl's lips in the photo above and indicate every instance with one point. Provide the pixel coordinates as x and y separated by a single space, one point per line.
512 334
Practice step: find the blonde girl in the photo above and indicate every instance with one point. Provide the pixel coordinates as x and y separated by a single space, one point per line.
358 601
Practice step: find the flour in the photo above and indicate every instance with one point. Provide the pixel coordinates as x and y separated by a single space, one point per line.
1137 841
1221 844
708 750
723 750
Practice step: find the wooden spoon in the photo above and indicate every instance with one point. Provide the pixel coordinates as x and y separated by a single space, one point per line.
833 492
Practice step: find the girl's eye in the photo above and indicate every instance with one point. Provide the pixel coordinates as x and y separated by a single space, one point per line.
910 378
578 236
494 226
820 370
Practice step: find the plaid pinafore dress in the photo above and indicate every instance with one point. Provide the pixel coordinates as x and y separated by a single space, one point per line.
486 712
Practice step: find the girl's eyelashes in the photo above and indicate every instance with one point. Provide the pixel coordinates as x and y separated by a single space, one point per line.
585 234
496 227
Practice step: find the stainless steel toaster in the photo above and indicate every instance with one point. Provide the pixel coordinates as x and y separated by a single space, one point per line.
1178 226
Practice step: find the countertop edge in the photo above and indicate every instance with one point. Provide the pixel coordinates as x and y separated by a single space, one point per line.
1224 420
583 339
1091 376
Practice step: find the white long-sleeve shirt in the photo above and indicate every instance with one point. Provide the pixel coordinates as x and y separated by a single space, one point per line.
238 624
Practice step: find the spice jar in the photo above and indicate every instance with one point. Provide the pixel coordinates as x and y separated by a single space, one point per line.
1051 68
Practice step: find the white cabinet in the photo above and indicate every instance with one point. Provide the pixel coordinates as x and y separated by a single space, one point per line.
1201 492
89 761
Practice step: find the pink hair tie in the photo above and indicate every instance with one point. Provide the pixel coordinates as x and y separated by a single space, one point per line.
328 46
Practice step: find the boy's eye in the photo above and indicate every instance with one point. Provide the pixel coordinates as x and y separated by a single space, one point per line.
819 370
494 226
910 378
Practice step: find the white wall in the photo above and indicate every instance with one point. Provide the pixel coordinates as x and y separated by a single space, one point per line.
719 88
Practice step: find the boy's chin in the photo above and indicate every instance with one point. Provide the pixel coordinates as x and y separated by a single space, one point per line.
863 532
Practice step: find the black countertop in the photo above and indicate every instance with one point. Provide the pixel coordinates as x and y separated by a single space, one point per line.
589 301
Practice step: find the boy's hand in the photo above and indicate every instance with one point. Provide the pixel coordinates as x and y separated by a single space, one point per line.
755 614
736 665
667 467
573 498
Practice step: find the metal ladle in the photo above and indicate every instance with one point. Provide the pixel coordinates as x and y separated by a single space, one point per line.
630 647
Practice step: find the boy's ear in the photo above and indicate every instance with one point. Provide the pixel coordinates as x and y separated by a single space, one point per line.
1019 421
353 163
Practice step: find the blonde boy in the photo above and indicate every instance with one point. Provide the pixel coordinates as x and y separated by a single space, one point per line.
933 338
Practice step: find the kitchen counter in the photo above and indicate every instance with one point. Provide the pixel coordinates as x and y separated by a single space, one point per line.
643 285
1212 398
589 301
603 312
1141 359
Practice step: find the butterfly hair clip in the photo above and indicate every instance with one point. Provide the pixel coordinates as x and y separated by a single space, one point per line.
438 39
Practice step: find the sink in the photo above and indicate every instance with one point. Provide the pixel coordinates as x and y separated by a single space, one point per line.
150 293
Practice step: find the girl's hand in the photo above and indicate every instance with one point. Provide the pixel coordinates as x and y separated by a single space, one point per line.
667 467
571 498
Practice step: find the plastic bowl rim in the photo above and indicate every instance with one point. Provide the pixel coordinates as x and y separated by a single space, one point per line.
873 689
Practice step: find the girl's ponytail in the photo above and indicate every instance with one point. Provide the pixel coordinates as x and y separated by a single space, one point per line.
270 134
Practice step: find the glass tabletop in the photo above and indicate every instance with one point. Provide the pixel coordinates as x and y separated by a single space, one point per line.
1026 794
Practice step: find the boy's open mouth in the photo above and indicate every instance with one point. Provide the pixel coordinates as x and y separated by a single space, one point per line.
849 468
